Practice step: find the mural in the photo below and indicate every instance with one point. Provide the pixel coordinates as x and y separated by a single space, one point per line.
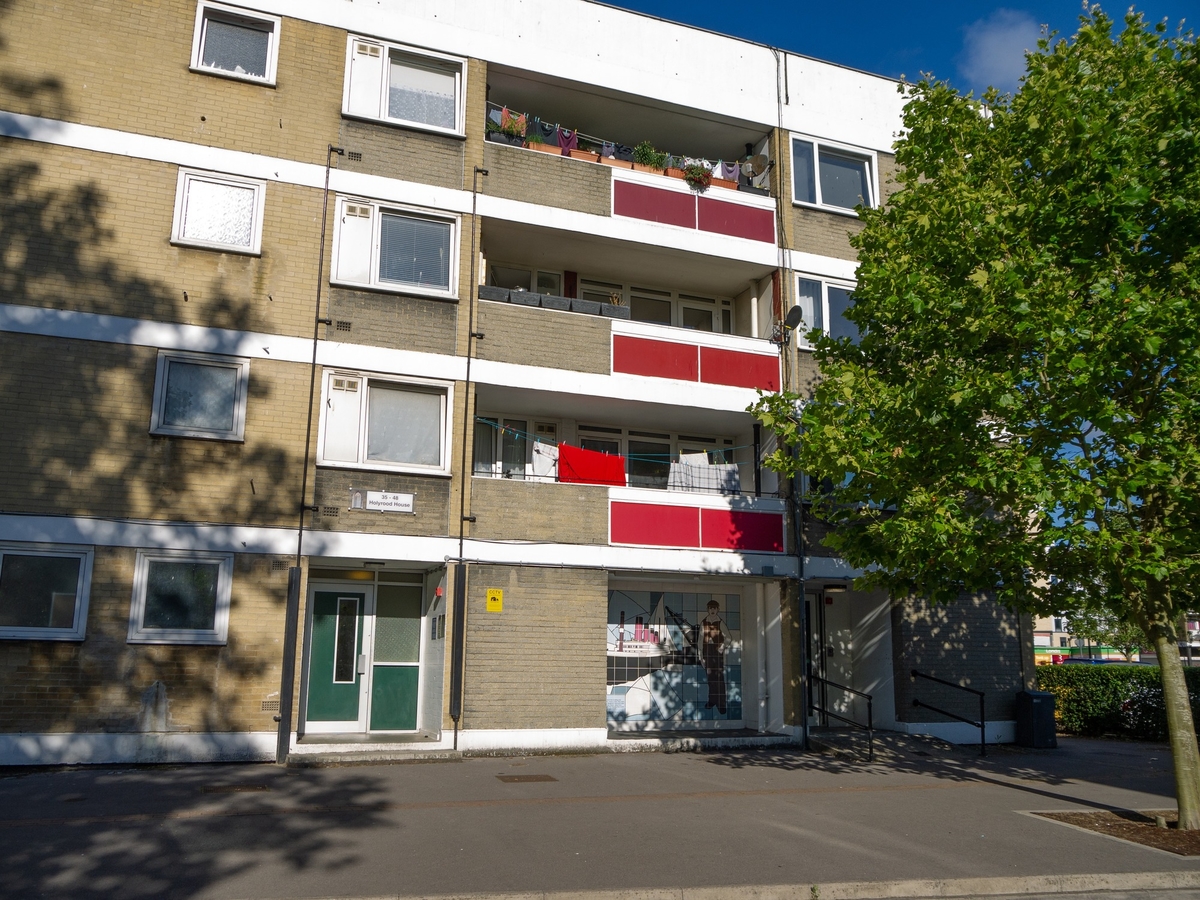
674 659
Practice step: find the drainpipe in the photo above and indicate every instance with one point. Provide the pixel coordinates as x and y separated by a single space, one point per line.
459 636
291 618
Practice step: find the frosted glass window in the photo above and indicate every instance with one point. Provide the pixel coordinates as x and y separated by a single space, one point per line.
197 395
397 624
240 47
514 447
38 591
219 213
845 180
415 252
181 596
201 396
404 425
420 91
485 446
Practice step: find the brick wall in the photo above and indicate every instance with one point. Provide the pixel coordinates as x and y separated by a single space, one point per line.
518 174
535 511
77 439
431 502
534 336
541 662
393 152
392 320
135 77
975 642
104 684
93 234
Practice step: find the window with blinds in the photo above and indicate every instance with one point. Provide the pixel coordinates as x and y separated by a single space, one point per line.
393 249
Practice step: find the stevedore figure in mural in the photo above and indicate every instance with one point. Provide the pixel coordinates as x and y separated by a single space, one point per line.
713 638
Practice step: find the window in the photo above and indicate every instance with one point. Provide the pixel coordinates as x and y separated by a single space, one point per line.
506 448
235 43
220 212
198 395
523 279
384 424
180 597
44 591
418 89
832 176
825 305
392 249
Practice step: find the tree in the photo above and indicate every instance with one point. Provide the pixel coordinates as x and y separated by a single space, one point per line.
1105 630
1022 412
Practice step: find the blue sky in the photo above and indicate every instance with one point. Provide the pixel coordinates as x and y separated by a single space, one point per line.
971 44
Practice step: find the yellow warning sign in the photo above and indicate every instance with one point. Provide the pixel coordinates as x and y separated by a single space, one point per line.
495 600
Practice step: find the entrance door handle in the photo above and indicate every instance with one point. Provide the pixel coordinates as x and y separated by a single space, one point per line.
362 664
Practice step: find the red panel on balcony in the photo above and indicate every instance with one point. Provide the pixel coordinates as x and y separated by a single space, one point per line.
640 201
736 220
654 525
734 529
733 367
657 359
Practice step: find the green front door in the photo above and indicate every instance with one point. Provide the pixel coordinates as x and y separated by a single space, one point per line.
396 664
334 680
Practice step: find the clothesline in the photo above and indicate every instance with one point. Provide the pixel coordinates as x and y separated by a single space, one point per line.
600 142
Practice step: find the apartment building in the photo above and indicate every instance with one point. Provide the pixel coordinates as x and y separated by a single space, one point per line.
368 419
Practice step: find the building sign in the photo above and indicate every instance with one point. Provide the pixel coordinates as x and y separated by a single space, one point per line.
382 501
495 600
673 659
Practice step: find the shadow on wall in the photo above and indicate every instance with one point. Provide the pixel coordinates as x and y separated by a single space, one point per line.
76 423
190 830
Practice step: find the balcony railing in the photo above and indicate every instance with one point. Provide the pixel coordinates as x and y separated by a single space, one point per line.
519 129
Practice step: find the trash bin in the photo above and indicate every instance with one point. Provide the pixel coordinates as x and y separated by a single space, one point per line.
1035 720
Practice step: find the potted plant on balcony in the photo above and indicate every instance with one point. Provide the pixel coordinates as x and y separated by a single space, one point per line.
698 175
536 142
615 308
674 167
647 159
589 155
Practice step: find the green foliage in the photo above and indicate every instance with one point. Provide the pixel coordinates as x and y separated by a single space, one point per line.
1022 412
644 154
1124 700
698 175
1105 630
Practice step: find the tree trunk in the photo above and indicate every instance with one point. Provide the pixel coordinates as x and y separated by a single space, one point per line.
1181 730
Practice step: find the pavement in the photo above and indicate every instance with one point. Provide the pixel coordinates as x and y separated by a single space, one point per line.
923 819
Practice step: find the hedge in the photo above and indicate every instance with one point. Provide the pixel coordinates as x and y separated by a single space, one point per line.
1113 699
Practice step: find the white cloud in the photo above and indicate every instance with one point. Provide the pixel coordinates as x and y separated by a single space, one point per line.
994 48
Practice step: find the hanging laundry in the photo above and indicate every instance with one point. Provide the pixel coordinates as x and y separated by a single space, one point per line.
494 117
623 152
715 168
545 460
729 171
579 466
608 149
723 478
568 140
509 118
547 131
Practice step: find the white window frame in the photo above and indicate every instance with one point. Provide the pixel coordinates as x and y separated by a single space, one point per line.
373 283
205 10
78 629
366 379
186 177
869 156
380 114
215 636
165 358
826 283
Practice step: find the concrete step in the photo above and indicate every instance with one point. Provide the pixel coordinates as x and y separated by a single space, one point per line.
345 756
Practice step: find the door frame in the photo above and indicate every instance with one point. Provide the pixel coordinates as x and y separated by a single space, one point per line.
368 588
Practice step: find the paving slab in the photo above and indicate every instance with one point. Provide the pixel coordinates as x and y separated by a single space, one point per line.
767 822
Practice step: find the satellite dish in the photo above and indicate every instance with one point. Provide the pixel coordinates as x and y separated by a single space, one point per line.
794 317
755 165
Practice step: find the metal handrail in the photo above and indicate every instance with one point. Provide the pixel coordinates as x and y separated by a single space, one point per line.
869 727
981 724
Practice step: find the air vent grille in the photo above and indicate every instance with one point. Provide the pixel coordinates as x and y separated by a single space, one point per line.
355 156
343 325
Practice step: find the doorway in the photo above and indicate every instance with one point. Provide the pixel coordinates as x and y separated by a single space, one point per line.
364 655
830 627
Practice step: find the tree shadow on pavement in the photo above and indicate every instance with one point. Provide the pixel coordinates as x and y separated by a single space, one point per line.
177 831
